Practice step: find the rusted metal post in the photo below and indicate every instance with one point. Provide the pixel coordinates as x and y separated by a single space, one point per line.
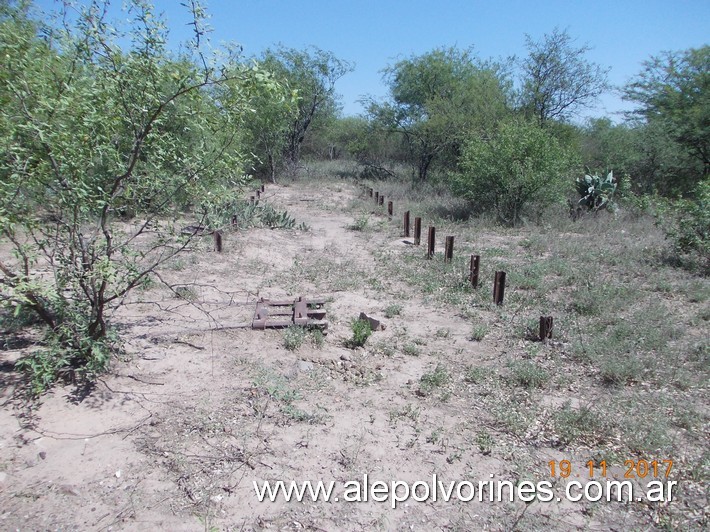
251 199
258 194
449 251
406 224
390 209
377 197
499 288
218 241
545 328
382 199
475 266
417 231
431 242
370 192
234 220
263 188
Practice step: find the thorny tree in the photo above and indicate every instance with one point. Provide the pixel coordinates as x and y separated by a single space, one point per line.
102 148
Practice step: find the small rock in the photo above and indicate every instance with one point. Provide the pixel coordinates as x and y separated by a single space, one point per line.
304 366
346 357
375 324
68 489
42 455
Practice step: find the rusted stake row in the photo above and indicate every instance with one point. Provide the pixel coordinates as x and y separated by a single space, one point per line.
382 199
499 288
449 250
475 267
406 224
217 241
431 242
377 197
545 328
417 231
390 209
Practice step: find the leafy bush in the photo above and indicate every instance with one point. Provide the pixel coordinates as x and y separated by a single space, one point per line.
689 230
519 165
93 130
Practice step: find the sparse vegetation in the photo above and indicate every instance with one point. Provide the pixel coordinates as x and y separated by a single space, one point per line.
393 310
294 337
361 332
430 382
479 332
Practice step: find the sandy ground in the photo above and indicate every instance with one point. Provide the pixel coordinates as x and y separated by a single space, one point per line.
196 411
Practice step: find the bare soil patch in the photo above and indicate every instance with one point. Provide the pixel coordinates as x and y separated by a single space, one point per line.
196 410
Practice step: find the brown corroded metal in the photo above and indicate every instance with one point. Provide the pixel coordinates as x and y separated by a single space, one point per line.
431 242
449 249
475 266
499 288
274 314
546 323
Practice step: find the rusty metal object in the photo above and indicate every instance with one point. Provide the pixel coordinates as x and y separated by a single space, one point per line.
449 250
390 209
303 311
475 267
546 323
417 231
431 242
406 224
499 288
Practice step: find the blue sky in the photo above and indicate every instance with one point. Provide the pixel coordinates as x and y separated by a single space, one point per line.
375 33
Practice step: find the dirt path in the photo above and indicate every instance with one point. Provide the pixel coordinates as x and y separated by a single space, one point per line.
175 437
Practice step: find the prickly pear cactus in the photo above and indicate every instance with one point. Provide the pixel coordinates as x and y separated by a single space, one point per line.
595 191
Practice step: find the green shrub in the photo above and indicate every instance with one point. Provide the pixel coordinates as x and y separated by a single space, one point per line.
689 230
361 332
519 164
